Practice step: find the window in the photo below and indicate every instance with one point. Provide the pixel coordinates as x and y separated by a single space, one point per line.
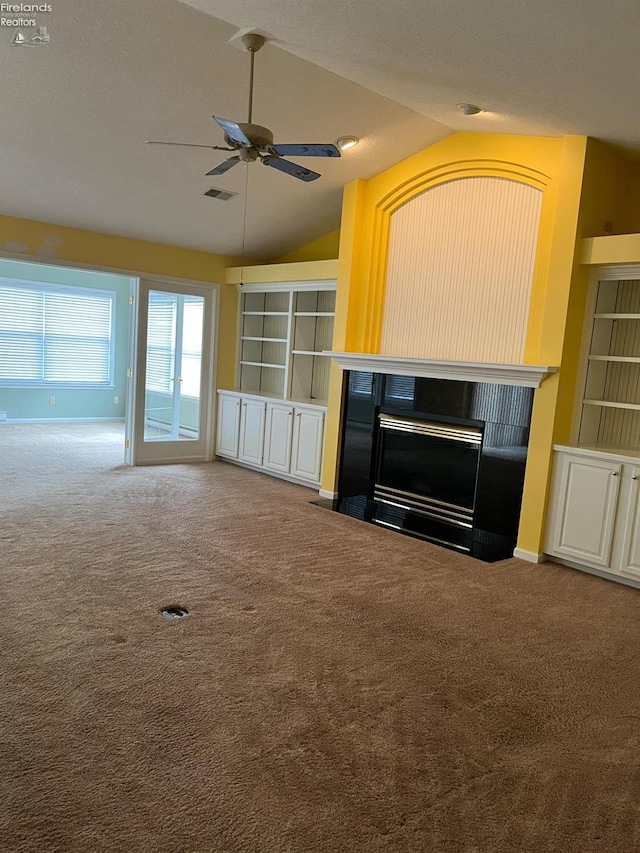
55 335
173 318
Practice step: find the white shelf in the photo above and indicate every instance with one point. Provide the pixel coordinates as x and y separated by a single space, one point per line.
262 364
606 377
308 401
609 404
265 313
614 316
298 337
628 359
268 340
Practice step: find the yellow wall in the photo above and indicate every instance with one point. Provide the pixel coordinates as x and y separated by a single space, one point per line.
323 249
611 192
54 242
555 166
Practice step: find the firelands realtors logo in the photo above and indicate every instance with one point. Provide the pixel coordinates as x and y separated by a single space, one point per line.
27 30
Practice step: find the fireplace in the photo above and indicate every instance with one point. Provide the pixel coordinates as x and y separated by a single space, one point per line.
441 460
427 466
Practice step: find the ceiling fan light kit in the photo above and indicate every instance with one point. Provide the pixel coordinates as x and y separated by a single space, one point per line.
251 142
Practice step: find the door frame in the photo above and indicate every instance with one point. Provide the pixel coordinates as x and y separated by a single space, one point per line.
134 418
134 287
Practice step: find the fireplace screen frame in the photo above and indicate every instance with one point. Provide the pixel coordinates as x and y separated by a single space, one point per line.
432 503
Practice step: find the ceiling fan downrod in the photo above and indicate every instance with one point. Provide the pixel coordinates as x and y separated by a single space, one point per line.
253 42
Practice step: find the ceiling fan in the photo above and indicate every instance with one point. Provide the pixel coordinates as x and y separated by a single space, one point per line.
254 142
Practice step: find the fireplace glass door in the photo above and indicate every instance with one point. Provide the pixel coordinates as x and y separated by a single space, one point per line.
428 466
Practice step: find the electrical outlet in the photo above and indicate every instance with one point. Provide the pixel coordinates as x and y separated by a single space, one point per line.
52 400
116 399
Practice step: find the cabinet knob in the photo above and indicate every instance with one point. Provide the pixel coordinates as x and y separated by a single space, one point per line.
614 473
634 477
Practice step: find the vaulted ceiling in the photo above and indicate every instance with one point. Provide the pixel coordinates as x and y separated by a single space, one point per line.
76 111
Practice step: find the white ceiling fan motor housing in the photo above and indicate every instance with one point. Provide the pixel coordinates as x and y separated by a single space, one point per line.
258 136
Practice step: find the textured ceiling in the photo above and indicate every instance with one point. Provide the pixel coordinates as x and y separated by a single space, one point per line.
543 67
76 112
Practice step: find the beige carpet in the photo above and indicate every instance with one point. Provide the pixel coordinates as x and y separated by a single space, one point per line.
337 688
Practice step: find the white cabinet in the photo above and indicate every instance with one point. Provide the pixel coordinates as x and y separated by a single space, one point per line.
252 416
306 457
277 440
593 515
594 511
228 435
586 496
281 439
631 548
274 419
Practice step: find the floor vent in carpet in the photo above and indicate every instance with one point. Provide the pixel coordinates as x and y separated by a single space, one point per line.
174 612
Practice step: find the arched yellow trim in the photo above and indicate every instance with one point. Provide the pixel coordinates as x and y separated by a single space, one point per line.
404 192
458 170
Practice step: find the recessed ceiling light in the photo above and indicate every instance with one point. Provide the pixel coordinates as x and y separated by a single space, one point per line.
470 109
346 142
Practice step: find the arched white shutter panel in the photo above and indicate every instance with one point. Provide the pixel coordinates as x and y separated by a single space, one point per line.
460 270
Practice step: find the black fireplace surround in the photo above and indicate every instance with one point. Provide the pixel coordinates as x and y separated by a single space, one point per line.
440 460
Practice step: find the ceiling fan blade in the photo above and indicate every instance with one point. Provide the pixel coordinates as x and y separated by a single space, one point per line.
186 145
233 131
223 167
304 150
291 168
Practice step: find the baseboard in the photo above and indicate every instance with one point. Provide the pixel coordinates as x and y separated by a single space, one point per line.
599 573
529 556
326 494
62 420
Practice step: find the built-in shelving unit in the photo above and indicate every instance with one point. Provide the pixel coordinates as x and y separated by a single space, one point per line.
265 330
610 404
283 336
273 420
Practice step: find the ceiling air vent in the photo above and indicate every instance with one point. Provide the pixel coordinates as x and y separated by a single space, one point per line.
221 195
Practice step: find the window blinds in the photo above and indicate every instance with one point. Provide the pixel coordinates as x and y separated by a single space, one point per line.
172 319
58 335
161 336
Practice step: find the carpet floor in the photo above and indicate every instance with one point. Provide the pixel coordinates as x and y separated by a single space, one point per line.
336 688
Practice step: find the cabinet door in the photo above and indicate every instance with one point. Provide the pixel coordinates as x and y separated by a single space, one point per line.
228 426
585 508
306 453
277 440
252 431
631 547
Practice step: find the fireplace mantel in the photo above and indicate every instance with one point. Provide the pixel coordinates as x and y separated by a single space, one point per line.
527 375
